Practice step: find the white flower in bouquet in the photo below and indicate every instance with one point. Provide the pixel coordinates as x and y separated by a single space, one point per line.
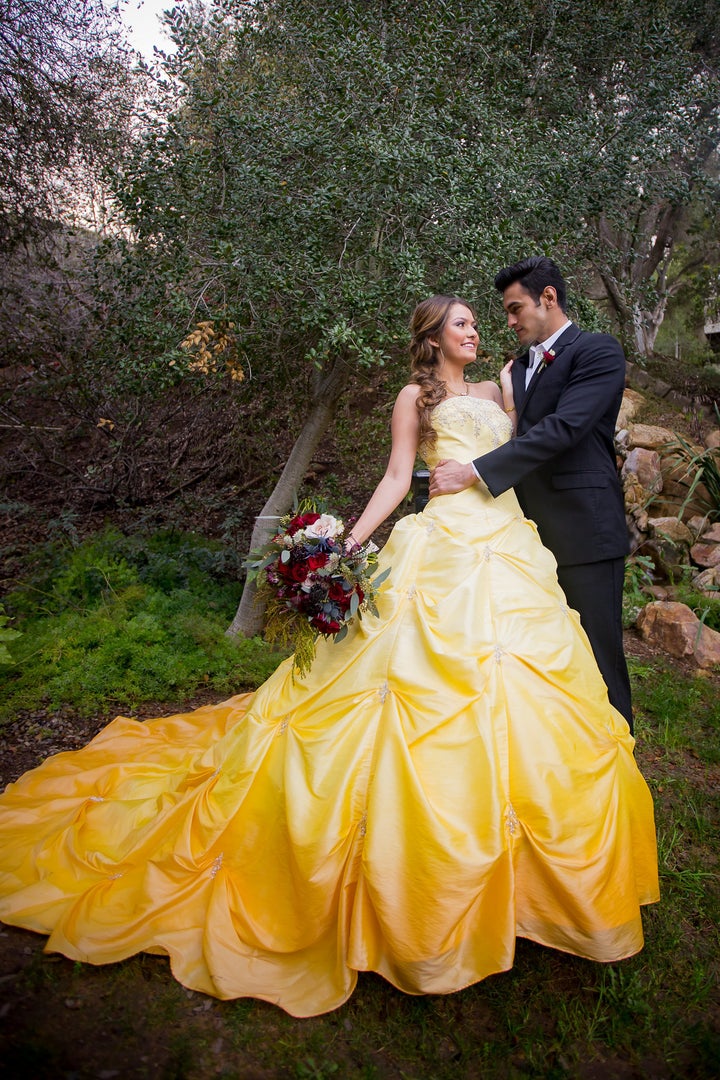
326 527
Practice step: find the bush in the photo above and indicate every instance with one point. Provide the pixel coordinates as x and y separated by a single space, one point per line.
118 620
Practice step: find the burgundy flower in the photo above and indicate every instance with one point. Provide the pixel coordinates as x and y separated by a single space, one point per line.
325 625
316 561
298 571
300 521
547 357
337 591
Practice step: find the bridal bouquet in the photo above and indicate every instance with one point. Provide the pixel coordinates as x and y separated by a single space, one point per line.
310 584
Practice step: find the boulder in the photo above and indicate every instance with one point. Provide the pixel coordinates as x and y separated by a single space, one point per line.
645 465
657 592
632 402
711 534
670 528
707 582
705 555
675 629
668 545
697 525
649 437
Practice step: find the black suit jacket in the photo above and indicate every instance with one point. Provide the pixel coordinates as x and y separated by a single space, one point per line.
562 462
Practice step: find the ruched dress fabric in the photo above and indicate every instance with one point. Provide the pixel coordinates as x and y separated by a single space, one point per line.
449 777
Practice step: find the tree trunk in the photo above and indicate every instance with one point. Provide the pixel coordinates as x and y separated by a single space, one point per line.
249 616
647 323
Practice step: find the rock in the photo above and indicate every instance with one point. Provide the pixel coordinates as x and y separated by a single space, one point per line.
678 479
670 528
661 388
658 592
707 650
707 582
713 440
712 533
697 525
645 465
632 402
668 545
641 378
674 628
667 559
705 554
636 531
649 437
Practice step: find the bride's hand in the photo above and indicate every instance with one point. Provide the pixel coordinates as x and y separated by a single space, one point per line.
506 386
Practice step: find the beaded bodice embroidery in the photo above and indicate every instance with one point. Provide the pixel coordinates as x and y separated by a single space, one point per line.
466 428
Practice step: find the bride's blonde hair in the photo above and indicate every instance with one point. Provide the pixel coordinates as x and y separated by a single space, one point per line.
428 321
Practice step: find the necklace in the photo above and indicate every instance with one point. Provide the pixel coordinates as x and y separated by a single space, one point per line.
455 393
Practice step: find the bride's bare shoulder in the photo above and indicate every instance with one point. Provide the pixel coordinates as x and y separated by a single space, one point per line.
488 390
409 393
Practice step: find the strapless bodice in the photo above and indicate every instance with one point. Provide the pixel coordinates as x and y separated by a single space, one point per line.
466 428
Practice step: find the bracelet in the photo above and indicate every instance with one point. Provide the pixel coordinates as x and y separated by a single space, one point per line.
350 536
508 411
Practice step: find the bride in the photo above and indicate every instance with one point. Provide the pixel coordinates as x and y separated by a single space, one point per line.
448 778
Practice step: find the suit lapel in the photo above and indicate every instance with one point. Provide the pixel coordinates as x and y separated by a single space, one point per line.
566 338
518 380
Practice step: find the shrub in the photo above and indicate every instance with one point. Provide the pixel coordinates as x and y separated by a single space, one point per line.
117 620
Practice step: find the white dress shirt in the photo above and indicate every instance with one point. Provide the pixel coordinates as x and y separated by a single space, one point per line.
536 352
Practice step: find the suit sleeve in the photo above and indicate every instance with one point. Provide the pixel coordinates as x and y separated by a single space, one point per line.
596 381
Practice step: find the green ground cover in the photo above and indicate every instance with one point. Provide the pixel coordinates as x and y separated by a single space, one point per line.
122 619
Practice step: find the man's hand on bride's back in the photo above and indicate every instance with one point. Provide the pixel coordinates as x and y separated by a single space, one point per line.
450 476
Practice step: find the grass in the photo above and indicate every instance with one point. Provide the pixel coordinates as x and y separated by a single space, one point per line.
553 1016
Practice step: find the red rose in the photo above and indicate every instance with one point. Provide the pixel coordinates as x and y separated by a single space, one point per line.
336 591
300 521
548 356
298 571
284 569
316 561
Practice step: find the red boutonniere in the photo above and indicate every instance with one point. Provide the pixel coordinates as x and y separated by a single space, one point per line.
547 357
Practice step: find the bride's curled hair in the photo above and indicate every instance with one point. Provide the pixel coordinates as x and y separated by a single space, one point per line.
428 321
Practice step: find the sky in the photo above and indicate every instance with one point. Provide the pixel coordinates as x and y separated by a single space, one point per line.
142 18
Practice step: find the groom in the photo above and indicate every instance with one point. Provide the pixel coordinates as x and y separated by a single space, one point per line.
568 385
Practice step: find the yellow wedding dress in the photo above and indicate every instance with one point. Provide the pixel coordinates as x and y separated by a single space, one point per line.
446 779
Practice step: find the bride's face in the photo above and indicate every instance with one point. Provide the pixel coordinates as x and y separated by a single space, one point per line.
458 340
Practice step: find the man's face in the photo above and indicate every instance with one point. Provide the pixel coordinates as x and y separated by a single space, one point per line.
529 320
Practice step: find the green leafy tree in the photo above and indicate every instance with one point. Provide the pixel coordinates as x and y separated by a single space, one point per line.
321 207
633 92
322 167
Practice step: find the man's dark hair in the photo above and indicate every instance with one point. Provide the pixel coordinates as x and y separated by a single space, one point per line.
534 274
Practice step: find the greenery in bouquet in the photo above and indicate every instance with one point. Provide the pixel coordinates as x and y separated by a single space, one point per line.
310 584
